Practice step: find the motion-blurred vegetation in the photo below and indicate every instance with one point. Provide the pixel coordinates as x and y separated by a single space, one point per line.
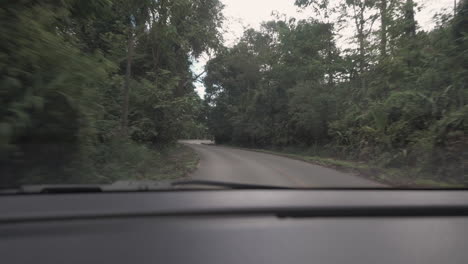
85 84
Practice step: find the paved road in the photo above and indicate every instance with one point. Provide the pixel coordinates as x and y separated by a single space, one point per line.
234 165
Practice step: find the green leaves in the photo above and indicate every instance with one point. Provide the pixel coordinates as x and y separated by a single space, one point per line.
287 84
62 66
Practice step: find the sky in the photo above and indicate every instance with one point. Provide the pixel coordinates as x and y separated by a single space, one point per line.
241 14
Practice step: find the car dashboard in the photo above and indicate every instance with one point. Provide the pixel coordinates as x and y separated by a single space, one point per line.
236 226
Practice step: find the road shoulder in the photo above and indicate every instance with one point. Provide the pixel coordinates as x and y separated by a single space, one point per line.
390 177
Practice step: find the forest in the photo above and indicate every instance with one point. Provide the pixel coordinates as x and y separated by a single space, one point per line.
394 96
98 91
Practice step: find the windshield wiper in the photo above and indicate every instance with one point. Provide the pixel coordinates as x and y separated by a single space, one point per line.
227 185
135 186
54 188
119 186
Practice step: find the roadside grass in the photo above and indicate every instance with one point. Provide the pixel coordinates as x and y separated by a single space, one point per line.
404 178
120 160
177 162
130 161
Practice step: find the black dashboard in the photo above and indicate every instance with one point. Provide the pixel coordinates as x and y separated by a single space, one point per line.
236 226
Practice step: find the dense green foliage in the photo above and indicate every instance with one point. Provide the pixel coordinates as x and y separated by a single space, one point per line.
82 83
397 98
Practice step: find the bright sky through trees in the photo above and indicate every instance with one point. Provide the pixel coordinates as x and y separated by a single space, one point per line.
242 14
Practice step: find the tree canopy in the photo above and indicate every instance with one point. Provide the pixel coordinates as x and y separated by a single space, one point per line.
398 98
77 75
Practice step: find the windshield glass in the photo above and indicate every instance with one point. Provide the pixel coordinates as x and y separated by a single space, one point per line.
290 93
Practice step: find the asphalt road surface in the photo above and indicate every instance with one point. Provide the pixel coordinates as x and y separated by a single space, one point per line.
221 163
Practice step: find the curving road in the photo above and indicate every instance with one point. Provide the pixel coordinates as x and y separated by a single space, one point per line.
235 165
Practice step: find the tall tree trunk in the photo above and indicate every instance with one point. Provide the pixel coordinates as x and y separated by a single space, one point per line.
460 23
360 22
383 28
454 8
330 57
410 23
362 48
410 32
126 88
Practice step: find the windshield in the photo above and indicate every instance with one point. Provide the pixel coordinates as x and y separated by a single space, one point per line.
285 93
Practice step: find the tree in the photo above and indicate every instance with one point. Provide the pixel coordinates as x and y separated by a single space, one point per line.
80 75
383 27
274 89
364 18
322 8
410 22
